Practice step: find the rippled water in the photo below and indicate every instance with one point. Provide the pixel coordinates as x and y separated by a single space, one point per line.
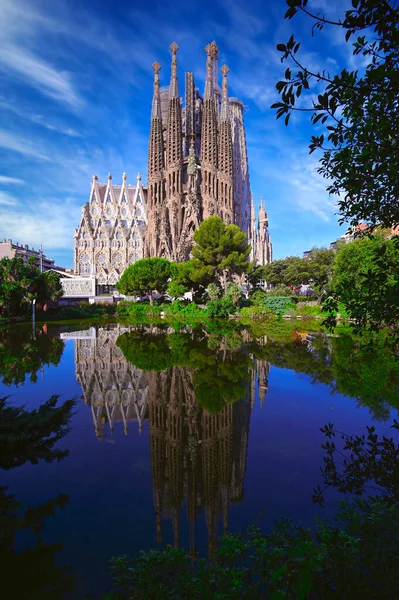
177 438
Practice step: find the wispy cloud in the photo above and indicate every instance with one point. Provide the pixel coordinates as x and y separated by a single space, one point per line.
7 199
19 144
6 180
39 119
40 74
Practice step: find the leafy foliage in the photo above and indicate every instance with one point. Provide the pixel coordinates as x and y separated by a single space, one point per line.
366 282
359 109
368 463
145 275
220 251
279 305
220 308
213 291
355 558
20 283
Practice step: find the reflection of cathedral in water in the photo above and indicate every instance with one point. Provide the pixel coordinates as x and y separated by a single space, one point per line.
198 459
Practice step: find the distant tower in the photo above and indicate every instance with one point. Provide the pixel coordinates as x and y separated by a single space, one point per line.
263 246
242 189
225 163
158 238
209 138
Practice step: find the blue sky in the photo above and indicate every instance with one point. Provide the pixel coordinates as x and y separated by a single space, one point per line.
75 100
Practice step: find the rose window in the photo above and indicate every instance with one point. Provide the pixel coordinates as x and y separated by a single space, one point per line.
84 258
117 260
101 259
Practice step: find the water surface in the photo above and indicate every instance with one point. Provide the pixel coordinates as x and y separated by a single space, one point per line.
178 438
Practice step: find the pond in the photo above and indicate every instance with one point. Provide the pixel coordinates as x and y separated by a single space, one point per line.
179 437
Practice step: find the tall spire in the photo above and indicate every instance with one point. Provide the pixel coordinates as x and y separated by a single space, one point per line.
224 115
174 87
156 102
212 52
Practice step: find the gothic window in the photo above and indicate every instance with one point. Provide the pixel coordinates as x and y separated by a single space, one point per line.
101 259
124 212
94 211
117 260
118 235
84 236
138 212
123 224
109 211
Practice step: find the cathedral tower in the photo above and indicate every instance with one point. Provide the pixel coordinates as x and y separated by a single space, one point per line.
197 163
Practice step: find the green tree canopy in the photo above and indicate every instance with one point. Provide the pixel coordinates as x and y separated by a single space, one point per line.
145 275
21 282
220 251
358 108
366 281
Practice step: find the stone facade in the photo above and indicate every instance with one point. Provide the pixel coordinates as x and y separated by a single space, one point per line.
197 161
10 249
197 167
262 250
112 230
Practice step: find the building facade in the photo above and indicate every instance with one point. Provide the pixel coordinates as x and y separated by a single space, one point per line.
197 167
112 230
8 249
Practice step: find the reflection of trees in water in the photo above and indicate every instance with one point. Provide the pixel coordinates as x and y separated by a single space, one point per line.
21 354
31 436
370 375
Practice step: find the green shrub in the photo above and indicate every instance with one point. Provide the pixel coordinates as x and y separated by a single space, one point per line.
220 308
137 310
256 313
357 557
280 290
279 304
233 291
309 311
258 297
183 308
213 291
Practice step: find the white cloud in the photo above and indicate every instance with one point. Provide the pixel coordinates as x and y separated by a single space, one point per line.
7 199
52 223
10 141
41 75
6 180
39 119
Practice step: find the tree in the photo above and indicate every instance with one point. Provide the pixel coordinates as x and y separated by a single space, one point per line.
286 271
359 109
220 252
318 270
181 279
366 281
145 275
48 287
17 285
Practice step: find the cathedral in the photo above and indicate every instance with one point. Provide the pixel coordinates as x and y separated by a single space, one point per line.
197 167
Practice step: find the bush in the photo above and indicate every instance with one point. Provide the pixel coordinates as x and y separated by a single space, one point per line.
182 308
256 313
258 298
233 291
309 311
280 290
213 291
137 310
356 558
220 308
279 305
